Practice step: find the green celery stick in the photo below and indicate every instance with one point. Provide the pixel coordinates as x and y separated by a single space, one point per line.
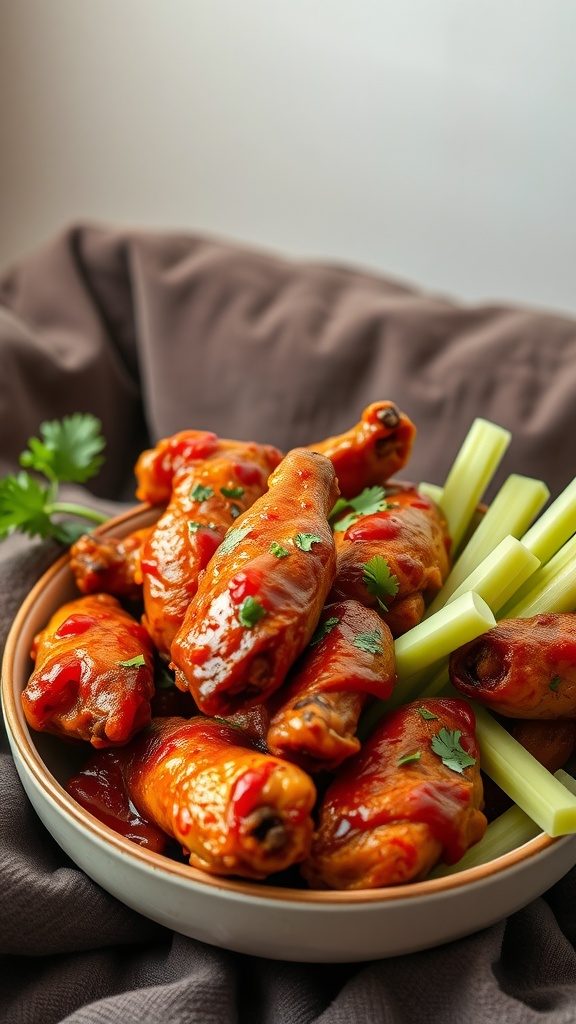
523 778
432 491
468 616
471 472
554 526
500 574
552 588
518 501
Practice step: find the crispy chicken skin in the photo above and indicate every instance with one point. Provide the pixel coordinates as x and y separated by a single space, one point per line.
411 536
234 809
261 595
206 498
109 565
372 451
395 809
316 711
522 668
93 678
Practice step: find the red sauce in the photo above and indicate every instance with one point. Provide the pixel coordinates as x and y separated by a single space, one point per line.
75 625
247 791
244 584
249 473
149 567
102 791
380 526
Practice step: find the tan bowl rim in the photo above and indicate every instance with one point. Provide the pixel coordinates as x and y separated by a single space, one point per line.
254 890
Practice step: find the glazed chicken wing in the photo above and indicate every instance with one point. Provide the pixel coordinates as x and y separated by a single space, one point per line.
522 668
350 656
93 678
409 799
207 496
234 809
260 598
410 535
372 451
109 565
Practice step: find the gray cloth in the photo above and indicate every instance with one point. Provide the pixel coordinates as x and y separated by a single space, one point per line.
154 333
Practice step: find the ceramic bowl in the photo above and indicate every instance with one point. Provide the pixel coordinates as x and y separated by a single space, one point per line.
263 920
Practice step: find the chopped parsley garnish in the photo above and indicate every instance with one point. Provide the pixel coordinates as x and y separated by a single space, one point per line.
233 538
446 744
277 550
136 662
67 451
201 493
408 758
232 492
250 612
323 630
367 503
555 683
369 642
193 526
304 541
427 715
379 581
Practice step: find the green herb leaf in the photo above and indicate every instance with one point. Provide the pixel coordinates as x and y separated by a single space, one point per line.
193 526
555 683
379 581
427 715
277 550
22 506
367 503
304 541
446 744
232 492
370 642
250 612
136 662
408 758
323 630
69 450
201 493
233 538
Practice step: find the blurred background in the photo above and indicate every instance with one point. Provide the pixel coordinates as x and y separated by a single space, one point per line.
432 140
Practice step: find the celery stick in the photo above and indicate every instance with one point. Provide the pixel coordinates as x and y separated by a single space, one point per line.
495 580
432 491
466 617
523 778
500 574
552 588
517 503
510 830
471 472
427 643
554 526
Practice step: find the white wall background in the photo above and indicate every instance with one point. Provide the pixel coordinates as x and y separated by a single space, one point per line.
433 139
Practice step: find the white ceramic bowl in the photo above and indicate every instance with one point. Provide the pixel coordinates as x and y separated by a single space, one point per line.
262 920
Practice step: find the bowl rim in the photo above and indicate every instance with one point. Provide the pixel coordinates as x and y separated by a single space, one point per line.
20 736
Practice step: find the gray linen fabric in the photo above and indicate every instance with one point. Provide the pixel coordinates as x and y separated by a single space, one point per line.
154 333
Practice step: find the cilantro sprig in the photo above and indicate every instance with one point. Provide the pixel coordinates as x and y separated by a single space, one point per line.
367 503
67 451
379 580
369 642
446 744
